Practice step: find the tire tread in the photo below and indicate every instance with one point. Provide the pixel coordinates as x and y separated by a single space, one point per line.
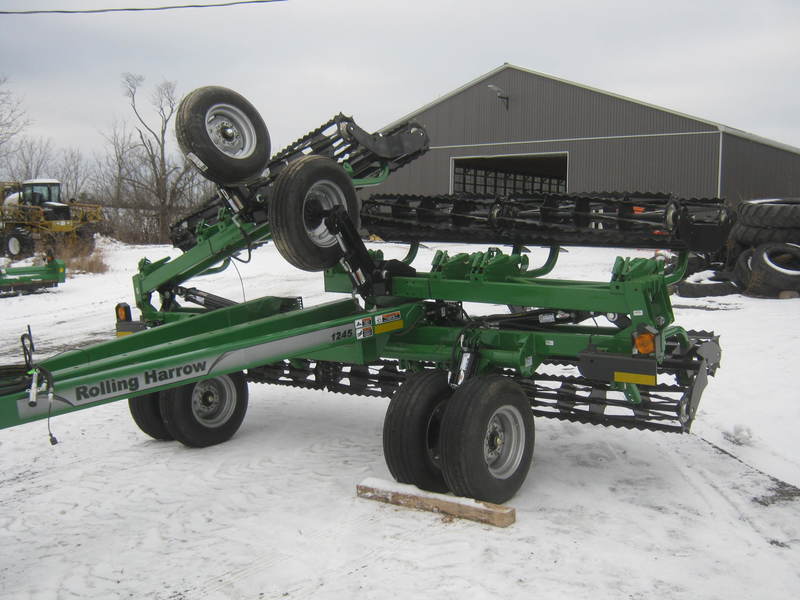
401 447
462 426
146 414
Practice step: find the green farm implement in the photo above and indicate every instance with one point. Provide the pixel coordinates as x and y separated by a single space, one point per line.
15 280
465 388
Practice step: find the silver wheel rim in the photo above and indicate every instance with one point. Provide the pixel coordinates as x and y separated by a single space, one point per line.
791 271
213 401
231 131
14 247
322 196
504 442
670 216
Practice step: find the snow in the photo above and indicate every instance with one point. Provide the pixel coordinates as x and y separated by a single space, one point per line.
605 513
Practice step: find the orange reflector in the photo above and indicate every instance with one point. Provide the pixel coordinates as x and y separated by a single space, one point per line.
645 342
123 311
637 210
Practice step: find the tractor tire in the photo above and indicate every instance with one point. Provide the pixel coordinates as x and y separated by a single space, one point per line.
750 235
743 271
487 439
303 191
411 430
206 412
686 289
731 253
19 243
779 212
223 135
776 267
146 414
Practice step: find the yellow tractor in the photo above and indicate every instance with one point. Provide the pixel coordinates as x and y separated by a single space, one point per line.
33 211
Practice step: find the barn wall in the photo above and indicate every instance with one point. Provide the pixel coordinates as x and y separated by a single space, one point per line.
613 143
754 170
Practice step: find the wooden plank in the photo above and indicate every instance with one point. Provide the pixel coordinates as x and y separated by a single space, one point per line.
412 497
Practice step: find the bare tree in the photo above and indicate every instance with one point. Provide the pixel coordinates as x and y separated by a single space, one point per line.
30 158
112 174
166 182
121 182
74 172
113 186
12 117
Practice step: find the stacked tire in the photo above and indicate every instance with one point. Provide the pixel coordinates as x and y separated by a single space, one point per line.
766 245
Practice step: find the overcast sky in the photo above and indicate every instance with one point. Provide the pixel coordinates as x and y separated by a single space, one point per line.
736 62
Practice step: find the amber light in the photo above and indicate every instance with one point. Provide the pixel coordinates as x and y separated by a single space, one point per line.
645 342
123 312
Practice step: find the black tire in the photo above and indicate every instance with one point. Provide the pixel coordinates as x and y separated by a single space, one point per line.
742 271
19 243
697 262
207 412
776 267
476 461
223 135
732 251
146 414
686 289
411 430
776 212
758 288
302 191
755 236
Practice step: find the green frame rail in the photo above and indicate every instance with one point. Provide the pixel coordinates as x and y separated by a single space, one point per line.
271 329
223 341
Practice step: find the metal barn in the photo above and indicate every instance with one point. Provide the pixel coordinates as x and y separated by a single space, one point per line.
515 130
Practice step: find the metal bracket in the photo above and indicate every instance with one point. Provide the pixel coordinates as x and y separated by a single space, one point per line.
369 278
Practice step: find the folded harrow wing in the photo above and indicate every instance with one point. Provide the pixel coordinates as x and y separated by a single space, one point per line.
465 388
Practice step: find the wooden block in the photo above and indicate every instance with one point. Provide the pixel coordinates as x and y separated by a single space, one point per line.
412 497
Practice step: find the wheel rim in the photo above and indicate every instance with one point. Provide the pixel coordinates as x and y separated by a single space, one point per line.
671 216
14 247
214 401
321 197
504 442
231 131
788 265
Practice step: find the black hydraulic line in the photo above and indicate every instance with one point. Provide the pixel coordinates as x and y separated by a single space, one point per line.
205 299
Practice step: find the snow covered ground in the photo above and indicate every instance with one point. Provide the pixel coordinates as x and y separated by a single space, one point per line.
605 513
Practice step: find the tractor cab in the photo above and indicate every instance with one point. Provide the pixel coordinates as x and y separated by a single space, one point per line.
41 192
45 194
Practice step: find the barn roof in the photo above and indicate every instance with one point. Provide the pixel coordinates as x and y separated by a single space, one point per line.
506 66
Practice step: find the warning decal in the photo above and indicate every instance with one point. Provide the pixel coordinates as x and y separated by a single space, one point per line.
369 326
387 318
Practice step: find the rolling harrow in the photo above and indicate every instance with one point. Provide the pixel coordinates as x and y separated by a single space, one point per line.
465 388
